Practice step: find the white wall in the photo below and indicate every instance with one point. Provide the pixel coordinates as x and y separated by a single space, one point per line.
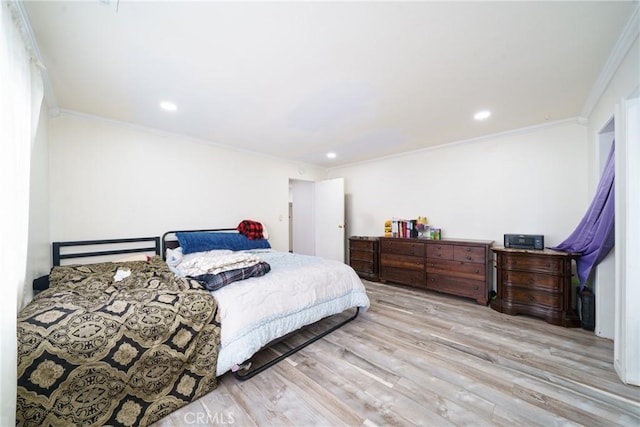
531 181
39 252
109 180
623 83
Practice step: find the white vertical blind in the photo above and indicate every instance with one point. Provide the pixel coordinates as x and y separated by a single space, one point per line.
20 101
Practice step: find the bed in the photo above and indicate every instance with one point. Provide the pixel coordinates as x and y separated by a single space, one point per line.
297 291
94 350
97 350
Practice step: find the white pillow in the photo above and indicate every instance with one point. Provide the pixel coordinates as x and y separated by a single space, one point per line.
209 254
174 256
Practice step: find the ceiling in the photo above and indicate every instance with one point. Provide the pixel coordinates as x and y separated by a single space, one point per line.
296 80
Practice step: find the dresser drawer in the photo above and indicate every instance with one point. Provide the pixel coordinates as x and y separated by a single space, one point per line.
358 254
365 245
532 281
532 298
402 261
543 264
439 251
402 247
404 276
360 265
456 285
455 268
469 254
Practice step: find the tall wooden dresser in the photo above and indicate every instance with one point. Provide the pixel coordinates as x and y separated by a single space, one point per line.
536 283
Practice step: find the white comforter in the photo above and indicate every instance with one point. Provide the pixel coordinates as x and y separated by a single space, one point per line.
217 264
298 291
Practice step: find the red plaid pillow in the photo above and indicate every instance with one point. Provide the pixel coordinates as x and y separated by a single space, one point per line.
251 229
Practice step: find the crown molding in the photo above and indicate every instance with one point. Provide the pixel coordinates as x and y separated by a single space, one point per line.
626 39
581 120
519 131
63 112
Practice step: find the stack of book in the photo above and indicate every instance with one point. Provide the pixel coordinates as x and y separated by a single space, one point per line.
403 228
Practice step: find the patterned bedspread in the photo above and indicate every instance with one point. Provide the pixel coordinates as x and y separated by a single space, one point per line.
94 351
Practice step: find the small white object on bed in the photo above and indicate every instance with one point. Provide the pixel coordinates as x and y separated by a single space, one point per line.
299 290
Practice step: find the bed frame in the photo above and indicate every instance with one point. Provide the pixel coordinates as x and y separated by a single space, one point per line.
246 372
126 246
169 241
160 246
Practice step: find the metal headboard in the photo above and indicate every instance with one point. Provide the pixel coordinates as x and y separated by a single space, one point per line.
58 256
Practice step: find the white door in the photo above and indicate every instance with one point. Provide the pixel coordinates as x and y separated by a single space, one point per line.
329 219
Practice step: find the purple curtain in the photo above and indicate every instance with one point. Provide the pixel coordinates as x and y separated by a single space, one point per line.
594 237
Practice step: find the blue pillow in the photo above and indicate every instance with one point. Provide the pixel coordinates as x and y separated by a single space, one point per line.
206 241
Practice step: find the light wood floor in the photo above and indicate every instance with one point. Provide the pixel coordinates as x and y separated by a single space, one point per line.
420 358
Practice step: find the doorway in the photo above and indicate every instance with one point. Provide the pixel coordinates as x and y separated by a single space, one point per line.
302 218
316 220
605 275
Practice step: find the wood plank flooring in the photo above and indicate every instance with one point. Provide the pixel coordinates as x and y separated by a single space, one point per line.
422 358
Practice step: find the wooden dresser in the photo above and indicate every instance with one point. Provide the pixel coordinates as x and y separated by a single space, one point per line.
363 256
536 283
457 267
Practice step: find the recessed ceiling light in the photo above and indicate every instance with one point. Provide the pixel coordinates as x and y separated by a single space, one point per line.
331 155
482 115
169 106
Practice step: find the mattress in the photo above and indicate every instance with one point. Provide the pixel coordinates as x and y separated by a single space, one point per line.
299 290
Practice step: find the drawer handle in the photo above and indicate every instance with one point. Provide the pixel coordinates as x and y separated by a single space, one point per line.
469 258
477 271
468 249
